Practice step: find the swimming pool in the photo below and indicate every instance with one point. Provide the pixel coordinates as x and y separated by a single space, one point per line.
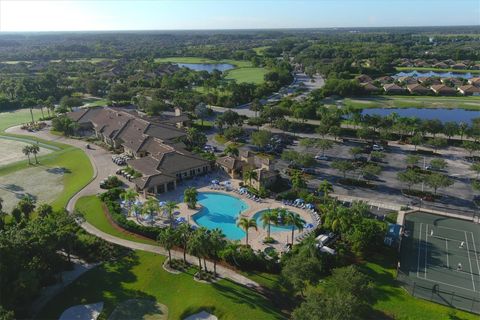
273 228
220 211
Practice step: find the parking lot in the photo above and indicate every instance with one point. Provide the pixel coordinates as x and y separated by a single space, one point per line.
387 186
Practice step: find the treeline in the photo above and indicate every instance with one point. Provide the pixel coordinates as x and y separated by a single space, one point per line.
36 244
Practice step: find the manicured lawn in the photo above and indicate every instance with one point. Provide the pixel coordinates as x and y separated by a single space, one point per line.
254 75
436 70
142 277
394 301
12 118
91 207
468 103
260 50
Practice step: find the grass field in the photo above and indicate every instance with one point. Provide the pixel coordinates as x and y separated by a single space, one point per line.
260 50
91 207
236 63
254 75
437 70
142 277
11 151
9 119
467 103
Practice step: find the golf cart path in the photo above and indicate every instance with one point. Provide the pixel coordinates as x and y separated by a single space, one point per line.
103 166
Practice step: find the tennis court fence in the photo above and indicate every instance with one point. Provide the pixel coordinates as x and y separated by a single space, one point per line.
439 293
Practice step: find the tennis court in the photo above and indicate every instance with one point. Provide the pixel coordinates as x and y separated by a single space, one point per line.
440 260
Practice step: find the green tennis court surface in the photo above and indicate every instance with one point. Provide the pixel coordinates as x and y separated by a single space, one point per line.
440 260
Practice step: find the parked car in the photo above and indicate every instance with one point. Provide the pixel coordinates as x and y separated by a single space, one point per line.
321 157
377 147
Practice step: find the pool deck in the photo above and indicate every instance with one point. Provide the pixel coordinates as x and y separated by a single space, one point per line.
255 237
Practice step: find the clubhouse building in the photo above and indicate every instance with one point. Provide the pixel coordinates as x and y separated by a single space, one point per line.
154 143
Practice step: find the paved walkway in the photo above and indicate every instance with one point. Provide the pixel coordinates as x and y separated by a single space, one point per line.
103 167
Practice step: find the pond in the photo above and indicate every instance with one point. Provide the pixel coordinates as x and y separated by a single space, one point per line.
417 74
209 67
444 115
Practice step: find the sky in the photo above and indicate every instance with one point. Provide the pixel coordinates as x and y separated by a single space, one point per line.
89 15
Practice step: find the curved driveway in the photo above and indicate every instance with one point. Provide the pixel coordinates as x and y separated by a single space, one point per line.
103 167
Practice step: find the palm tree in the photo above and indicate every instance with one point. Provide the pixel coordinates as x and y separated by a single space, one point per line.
246 224
196 246
231 150
268 217
129 196
217 242
337 219
151 206
295 221
248 175
35 149
171 206
26 151
190 197
167 238
184 233
325 187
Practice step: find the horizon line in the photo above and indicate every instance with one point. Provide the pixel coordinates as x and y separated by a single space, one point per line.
242 29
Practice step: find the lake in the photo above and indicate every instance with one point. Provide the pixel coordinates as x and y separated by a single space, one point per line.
209 67
444 115
417 74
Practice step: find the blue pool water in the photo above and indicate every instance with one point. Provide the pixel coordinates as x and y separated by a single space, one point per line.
273 228
220 211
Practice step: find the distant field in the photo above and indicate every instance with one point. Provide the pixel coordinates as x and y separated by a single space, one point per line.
11 151
255 75
260 50
236 63
467 103
437 70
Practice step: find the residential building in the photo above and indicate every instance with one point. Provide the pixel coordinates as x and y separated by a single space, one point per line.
363 78
474 81
385 80
441 65
370 87
393 88
468 90
459 66
442 89
407 80
417 89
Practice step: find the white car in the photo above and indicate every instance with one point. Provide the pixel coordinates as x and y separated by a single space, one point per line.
376 147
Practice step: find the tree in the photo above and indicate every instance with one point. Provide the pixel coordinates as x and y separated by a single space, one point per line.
27 151
261 138
183 235
476 168
233 133
268 217
195 138
366 236
129 196
450 129
295 221
26 206
346 295
190 197
325 187
298 182
366 133
167 239
35 149
249 175
300 271
471 147
438 164
437 181
377 156
151 206
370 170
171 206
355 151
324 145
437 143
231 150
44 210
202 112
64 125
412 160
343 166
246 224
217 242
409 177
416 140
196 245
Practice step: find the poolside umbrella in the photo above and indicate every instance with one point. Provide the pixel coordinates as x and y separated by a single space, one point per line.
162 203
299 200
